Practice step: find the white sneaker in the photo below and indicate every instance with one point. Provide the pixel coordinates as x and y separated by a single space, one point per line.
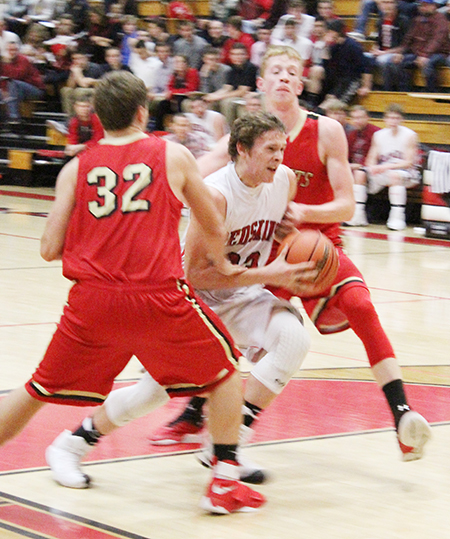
396 219
64 457
413 433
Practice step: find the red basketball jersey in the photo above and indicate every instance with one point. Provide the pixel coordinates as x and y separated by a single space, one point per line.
124 227
313 185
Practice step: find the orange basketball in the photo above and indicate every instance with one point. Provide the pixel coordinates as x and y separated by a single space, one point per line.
308 244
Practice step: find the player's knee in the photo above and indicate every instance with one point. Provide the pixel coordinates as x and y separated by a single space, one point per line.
128 403
357 300
286 351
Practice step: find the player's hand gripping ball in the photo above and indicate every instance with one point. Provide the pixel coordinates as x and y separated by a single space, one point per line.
311 245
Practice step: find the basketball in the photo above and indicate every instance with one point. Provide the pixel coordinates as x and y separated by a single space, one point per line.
308 244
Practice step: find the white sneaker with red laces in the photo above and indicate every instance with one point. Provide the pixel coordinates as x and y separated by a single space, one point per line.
227 495
413 433
182 432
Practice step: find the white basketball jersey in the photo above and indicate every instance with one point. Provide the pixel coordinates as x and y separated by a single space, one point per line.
252 214
391 148
251 218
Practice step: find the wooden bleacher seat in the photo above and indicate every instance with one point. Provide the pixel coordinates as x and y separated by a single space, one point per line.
412 103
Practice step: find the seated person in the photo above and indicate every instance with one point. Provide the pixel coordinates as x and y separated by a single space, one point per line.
360 137
24 80
183 81
182 132
391 162
85 128
253 102
237 35
114 61
129 37
290 37
347 71
213 72
296 10
240 80
82 80
212 124
338 110
144 64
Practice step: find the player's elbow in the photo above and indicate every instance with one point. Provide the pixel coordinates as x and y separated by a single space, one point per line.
49 252
348 210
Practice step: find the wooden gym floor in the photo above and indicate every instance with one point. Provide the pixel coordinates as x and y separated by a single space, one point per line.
327 441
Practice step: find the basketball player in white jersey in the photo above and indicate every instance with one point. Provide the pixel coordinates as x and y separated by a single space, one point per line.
251 193
390 163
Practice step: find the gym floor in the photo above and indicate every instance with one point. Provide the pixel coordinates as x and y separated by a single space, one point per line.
327 442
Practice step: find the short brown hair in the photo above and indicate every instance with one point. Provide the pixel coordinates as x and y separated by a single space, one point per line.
395 108
249 127
117 97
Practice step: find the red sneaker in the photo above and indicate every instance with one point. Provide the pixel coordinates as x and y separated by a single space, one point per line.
226 495
181 432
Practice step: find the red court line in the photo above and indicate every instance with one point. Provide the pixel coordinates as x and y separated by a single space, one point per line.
26 195
50 525
17 236
397 238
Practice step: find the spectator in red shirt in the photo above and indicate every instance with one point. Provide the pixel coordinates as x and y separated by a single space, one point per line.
183 81
360 138
234 30
25 81
85 128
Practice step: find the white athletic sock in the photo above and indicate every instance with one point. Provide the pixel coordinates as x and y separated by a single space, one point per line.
397 195
360 193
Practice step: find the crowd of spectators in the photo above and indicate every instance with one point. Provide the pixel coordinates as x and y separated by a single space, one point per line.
58 49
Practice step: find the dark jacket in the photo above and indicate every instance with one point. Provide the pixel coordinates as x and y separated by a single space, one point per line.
400 27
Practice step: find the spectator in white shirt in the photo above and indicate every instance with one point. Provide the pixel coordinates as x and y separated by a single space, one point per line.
296 11
259 48
292 38
143 64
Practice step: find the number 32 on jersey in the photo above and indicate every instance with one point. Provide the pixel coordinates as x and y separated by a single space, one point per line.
106 180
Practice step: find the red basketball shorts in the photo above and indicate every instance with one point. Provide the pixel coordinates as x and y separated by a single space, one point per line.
177 338
322 310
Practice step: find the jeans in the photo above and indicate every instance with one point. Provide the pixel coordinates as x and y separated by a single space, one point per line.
21 91
429 72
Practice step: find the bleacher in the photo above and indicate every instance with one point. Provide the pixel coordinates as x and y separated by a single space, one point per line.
35 157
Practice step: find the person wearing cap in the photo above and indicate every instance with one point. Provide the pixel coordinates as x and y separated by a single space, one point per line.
425 47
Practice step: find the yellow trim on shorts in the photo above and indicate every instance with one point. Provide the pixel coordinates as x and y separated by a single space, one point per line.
68 394
226 345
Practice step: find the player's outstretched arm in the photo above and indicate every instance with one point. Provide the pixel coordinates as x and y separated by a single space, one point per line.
53 238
